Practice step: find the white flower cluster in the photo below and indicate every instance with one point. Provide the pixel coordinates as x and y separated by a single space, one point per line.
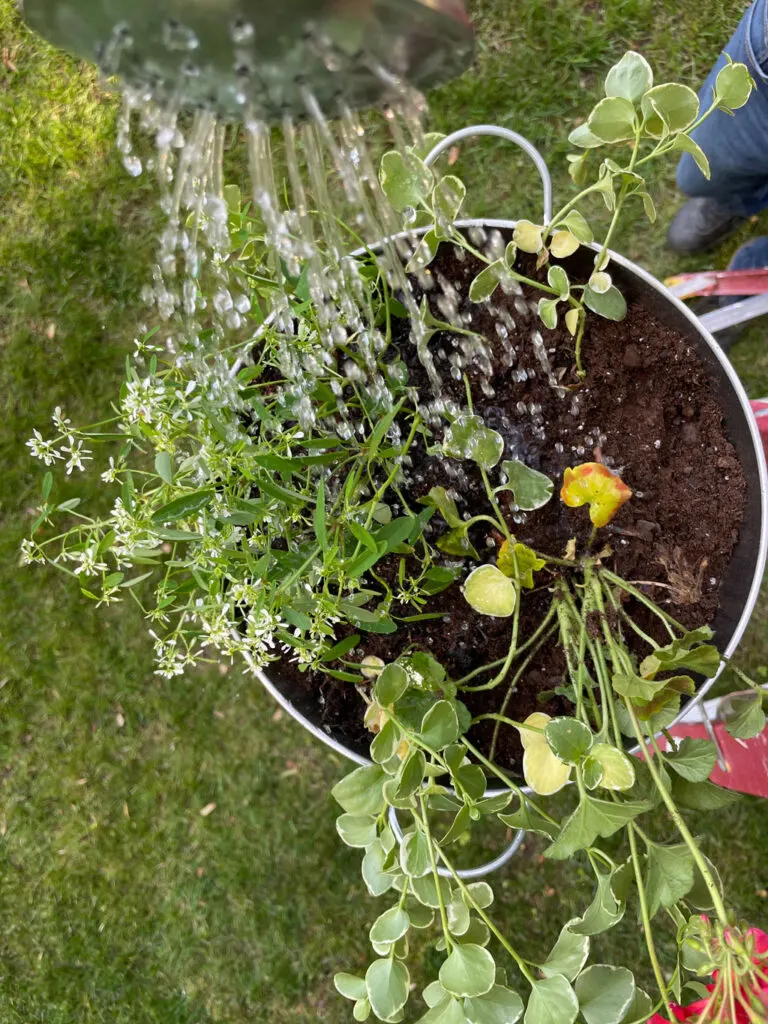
65 447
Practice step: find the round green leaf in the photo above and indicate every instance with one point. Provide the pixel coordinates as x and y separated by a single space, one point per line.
411 774
487 281
630 79
733 86
387 983
440 726
434 994
391 685
425 891
604 993
481 894
406 181
385 743
548 313
530 488
458 917
557 278
578 226
585 139
610 305
360 792
568 739
552 1001
376 879
592 772
617 770
356 830
613 120
469 971
499 1006
640 1008
468 438
389 926
490 592
361 1010
447 197
414 855
669 108
350 986
600 282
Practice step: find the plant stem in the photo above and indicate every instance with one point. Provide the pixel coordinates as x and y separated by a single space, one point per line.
443 915
677 818
500 661
647 922
523 797
495 504
659 612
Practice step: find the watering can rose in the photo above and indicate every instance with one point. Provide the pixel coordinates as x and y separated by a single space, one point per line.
595 485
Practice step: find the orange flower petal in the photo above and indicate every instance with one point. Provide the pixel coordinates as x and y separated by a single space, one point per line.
595 485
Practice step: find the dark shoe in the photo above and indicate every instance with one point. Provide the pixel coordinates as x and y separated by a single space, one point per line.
701 224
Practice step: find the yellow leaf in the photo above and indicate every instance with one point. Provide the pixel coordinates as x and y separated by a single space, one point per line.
563 244
544 773
595 485
530 737
527 236
572 321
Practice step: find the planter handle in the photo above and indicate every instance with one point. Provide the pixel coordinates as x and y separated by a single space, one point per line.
510 136
468 873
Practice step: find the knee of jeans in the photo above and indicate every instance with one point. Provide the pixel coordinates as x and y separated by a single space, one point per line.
689 178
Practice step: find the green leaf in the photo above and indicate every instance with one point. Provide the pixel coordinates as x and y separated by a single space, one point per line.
499 1006
548 313
648 206
530 489
669 108
630 79
411 774
391 685
406 182
563 244
387 983
360 792
569 739
604 911
468 438
164 467
578 226
529 821
439 498
592 818
342 647
552 1001
611 304
376 879
468 972
699 895
480 893
421 916
568 955
490 592
519 563
425 890
613 120
685 144
487 281
440 726
447 197
578 168
47 485
457 913
414 855
385 743
389 926
356 830
361 1011
471 778
457 542
318 518
349 985
181 508
744 715
558 279
702 796
640 1008
447 1011
683 653
733 86
669 875
694 759
584 139
617 772
605 993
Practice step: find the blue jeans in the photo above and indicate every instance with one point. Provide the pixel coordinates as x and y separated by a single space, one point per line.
737 147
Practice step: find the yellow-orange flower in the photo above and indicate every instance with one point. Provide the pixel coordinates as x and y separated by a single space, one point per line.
595 485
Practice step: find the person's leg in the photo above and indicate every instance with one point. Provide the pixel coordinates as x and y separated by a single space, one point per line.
736 146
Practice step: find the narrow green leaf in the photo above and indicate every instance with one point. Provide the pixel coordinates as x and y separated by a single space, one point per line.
164 467
184 506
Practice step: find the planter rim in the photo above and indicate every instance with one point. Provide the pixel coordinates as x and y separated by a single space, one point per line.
760 556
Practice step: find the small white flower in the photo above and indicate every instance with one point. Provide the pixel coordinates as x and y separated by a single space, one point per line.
60 420
108 596
110 475
77 454
89 565
30 552
42 449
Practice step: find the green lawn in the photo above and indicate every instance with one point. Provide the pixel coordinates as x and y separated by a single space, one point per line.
120 902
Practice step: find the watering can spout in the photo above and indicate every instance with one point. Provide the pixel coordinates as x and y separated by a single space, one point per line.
245 58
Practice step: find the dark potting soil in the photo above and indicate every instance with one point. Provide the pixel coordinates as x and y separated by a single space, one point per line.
647 409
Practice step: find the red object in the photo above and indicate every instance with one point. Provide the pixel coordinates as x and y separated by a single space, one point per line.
760 410
719 282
